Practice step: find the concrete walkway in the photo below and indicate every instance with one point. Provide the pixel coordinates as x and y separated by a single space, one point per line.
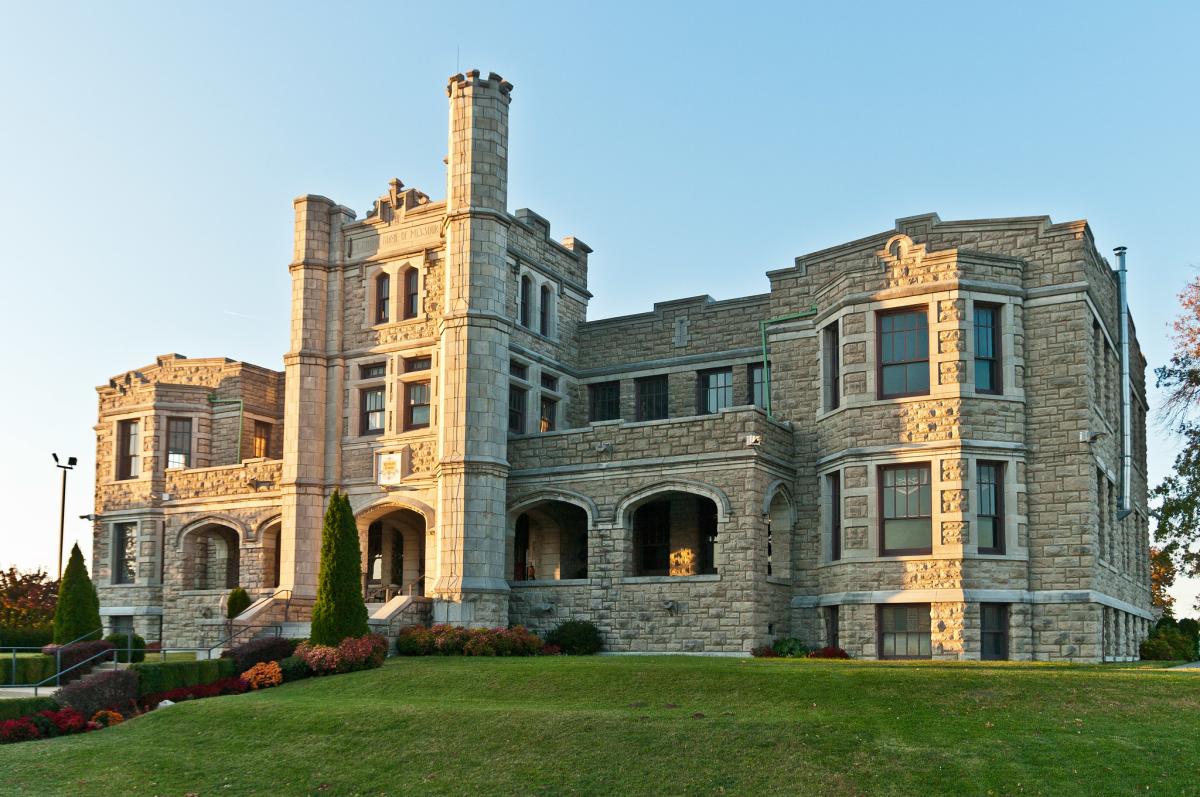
25 691
1191 665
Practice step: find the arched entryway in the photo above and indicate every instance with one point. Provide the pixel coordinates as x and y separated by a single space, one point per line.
393 546
211 557
270 552
673 533
548 541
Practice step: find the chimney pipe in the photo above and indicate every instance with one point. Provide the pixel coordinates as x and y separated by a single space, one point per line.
1124 507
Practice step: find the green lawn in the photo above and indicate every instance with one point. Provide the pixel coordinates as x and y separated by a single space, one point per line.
663 725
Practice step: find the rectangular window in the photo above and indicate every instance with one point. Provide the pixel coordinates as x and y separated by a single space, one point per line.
604 401
179 442
548 415
121 623
129 449
904 353
756 378
262 439
383 290
651 398
990 514
994 624
832 637
987 348
516 409
831 366
412 302
652 531
519 370
835 515
549 381
124 553
907 510
373 371
904 631
715 390
372 410
416 405
1101 519
412 364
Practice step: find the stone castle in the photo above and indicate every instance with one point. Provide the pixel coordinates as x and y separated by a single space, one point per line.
925 443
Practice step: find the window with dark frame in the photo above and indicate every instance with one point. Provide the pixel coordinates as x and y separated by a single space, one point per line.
519 370
416 405
604 401
412 293
715 390
903 353
262 439
549 381
129 449
383 290
706 521
832 367
904 631
544 307
521 549
832 637
124 553
652 530
756 379
516 409
526 300
906 515
179 442
994 628
373 371
548 414
412 364
372 410
650 397
987 349
990 513
834 481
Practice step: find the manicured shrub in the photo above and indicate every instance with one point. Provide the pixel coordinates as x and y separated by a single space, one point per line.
550 650
18 730
263 675
27 670
67 657
78 610
225 686
269 648
105 718
161 676
1156 649
829 653
293 669
361 653
447 640
339 611
576 637
130 647
26 636
25 706
226 668
791 648
115 689
415 640
764 652
62 722
1168 642
238 602
208 670
320 659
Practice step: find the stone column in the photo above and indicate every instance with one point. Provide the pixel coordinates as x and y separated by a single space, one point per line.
470 586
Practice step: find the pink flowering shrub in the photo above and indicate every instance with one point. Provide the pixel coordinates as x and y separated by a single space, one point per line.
321 659
352 653
446 640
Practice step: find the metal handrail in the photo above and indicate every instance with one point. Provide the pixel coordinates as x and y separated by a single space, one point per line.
287 606
57 677
234 635
39 649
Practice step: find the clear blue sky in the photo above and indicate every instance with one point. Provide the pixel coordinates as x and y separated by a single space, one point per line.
149 154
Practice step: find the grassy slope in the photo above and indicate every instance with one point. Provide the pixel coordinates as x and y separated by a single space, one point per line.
651 725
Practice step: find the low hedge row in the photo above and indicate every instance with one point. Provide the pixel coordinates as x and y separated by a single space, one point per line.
25 636
25 706
28 670
155 677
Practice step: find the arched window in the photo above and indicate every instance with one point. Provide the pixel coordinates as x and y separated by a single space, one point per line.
544 310
383 290
779 535
675 534
526 301
411 296
550 542
211 556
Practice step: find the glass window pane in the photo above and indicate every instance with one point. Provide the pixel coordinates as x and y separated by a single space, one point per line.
893 379
987 532
904 533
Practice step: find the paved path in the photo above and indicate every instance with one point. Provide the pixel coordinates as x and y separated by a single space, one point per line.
1191 665
24 691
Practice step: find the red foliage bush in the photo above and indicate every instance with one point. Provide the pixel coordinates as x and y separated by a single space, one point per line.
18 730
829 653
551 650
361 653
764 652
66 720
447 640
225 686
70 655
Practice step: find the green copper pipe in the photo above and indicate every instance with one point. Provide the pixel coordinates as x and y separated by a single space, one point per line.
762 329
241 418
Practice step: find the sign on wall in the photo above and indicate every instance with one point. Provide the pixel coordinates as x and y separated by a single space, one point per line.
390 469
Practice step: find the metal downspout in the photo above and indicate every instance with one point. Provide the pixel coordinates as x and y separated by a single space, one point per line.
241 418
1124 508
762 330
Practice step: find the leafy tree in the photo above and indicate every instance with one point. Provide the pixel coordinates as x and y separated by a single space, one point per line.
340 611
1162 578
27 600
1178 495
78 610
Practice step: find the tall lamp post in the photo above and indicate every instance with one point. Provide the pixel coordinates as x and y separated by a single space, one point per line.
62 507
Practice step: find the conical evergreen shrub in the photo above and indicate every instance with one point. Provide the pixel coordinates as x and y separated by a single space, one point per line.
340 611
238 602
78 609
